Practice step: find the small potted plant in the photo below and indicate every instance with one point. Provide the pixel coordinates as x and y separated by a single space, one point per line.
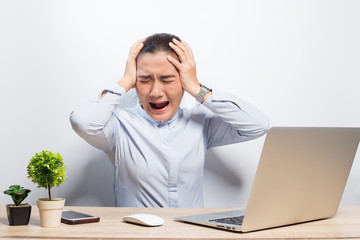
47 170
18 213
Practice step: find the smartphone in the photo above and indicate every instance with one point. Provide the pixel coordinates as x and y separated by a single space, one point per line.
72 217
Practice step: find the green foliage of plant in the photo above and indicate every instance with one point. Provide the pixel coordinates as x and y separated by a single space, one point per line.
17 193
47 169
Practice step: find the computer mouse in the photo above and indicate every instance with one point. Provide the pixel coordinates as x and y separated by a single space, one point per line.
144 219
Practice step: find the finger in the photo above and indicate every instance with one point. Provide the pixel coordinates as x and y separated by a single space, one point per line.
174 62
179 44
136 47
138 42
185 48
188 49
178 51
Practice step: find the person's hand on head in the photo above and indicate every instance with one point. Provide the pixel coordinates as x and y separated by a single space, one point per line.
186 66
129 79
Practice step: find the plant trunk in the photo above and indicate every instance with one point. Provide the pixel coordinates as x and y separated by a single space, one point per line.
49 192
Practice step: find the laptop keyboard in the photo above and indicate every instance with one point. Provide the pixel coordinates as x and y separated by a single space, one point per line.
229 220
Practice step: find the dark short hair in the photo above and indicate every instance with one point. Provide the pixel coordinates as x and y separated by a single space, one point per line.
158 42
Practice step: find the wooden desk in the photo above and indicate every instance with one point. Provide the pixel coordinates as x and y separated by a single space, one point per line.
345 225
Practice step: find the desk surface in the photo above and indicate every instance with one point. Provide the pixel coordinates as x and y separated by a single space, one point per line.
345 225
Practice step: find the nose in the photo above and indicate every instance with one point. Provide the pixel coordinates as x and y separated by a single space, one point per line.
156 89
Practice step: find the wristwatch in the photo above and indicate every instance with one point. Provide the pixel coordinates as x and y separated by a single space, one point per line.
203 91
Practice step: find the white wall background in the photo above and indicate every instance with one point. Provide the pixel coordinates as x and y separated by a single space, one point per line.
298 61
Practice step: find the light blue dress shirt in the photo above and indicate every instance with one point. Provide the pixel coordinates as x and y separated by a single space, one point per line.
161 163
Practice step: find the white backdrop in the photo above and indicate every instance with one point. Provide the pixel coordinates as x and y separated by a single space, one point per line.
297 61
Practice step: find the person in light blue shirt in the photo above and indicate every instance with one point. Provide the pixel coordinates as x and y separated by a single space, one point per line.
158 148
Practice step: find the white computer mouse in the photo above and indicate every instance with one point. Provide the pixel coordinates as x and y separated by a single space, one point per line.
144 219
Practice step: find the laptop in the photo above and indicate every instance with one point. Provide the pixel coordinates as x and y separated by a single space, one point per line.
300 177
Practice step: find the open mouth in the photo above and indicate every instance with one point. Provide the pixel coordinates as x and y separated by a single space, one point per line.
159 105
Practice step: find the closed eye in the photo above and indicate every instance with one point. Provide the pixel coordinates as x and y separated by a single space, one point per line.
144 79
167 78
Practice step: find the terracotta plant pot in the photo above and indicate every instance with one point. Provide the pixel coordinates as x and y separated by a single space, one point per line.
18 215
50 211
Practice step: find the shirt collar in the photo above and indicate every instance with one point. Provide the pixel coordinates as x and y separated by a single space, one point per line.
171 122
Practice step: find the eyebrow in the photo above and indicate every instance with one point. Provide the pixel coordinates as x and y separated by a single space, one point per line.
167 76
161 76
145 76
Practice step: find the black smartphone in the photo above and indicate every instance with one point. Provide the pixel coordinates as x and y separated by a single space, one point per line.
72 217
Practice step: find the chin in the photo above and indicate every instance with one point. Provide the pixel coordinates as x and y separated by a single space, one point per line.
160 117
